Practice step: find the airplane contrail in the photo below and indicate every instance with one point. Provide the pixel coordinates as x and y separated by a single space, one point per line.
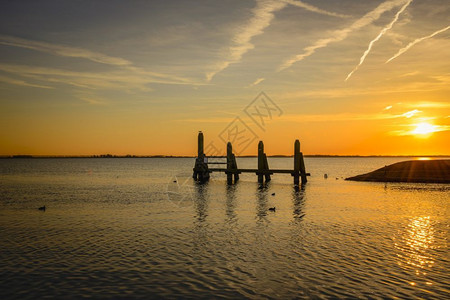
341 34
404 49
382 32
314 9
263 14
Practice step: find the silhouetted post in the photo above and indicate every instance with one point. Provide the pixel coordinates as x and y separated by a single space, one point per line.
201 171
229 163
200 144
260 161
296 162
302 169
266 167
232 168
235 168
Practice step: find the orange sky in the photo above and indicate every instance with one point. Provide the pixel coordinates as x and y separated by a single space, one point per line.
344 77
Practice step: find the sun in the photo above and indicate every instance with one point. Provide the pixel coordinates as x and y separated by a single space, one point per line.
424 128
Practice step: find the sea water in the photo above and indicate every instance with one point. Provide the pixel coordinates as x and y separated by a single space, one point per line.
141 228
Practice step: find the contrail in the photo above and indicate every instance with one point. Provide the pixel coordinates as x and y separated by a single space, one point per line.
404 49
341 34
313 8
382 32
263 14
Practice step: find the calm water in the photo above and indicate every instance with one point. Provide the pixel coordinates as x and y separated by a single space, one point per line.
122 228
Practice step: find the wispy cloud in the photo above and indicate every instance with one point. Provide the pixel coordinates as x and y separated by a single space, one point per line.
342 92
63 50
339 35
346 117
257 81
263 15
93 100
410 74
404 49
411 113
22 83
118 79
382 32
430 104
120 63
206 120
312 8
421 129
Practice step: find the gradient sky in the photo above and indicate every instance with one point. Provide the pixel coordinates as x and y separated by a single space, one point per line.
348 77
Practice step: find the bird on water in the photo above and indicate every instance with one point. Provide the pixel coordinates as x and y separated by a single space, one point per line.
42 208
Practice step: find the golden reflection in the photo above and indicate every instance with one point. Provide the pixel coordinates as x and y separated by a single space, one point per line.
417 240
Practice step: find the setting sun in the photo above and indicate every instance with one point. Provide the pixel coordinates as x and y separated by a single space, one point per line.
424 128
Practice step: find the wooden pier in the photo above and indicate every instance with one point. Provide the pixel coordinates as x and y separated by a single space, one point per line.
202 170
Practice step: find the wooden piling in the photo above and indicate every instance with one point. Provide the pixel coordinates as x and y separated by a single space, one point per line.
303 169
260 162
229 163
232 169
202 172
200 144
266 168
235 168
296 172
263 165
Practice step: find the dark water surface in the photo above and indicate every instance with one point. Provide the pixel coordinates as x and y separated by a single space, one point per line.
122 228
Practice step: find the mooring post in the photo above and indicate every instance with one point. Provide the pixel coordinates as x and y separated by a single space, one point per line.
302 169
260 161
232 169
266 167
296 162
201 171
229 163
235 168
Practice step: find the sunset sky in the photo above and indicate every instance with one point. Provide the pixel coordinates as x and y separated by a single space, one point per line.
345 77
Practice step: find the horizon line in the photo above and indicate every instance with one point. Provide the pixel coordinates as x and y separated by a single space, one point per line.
15 156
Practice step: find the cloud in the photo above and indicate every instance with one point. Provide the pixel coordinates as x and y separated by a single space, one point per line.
314 9
411 113
22 83
431 104
206 120
346 117
263 15
388 107
341 34
421 129
119 79
410 74
257 81
404 49
382 32
63 50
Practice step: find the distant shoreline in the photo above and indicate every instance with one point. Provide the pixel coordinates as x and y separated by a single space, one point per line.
181 156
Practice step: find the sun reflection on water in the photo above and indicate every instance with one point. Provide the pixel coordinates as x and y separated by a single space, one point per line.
418 239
